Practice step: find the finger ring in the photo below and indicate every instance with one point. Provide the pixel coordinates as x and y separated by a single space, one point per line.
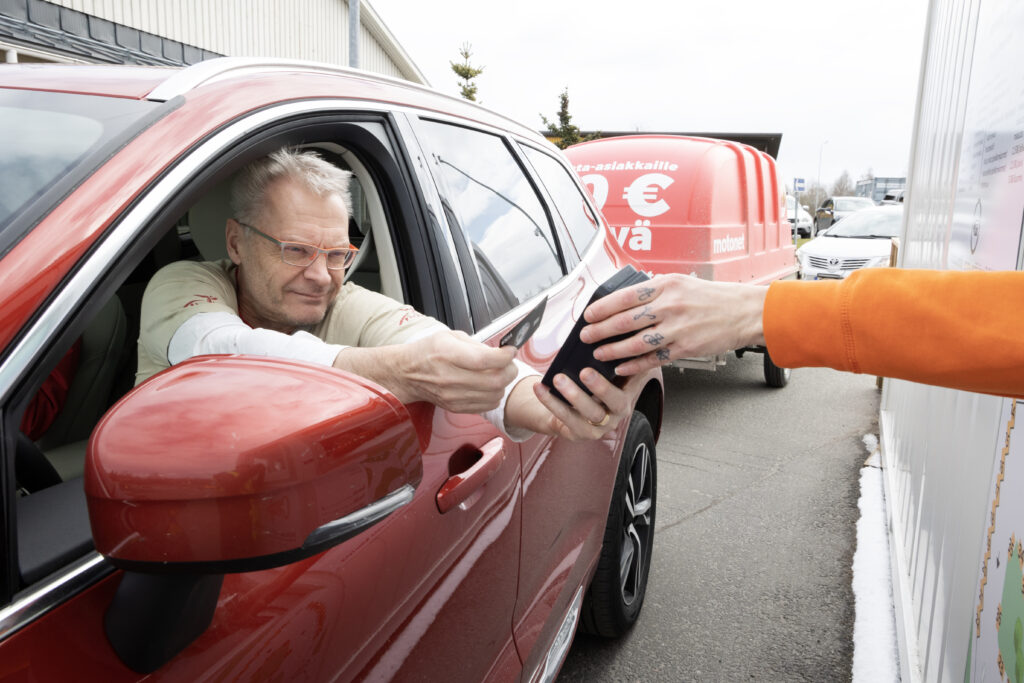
603 421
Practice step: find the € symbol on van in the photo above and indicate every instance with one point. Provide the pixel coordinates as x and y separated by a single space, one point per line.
642 194
639 236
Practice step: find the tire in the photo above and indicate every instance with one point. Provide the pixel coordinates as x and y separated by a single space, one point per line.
616 594
775 376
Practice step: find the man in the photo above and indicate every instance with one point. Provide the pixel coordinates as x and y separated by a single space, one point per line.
281 295
957 329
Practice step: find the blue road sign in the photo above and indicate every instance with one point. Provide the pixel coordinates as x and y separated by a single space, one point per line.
798 185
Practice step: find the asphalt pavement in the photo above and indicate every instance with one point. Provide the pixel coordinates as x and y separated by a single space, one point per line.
755 532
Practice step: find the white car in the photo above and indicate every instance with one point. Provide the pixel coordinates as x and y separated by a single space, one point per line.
803 217
861 240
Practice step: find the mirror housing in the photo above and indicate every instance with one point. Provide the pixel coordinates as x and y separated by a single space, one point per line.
233 463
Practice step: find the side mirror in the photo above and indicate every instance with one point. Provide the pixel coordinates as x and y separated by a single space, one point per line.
231 464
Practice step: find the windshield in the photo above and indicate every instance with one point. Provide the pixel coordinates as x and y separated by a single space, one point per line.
869 224
47 136
853 204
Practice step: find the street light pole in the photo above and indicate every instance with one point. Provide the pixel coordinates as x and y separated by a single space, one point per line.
820 150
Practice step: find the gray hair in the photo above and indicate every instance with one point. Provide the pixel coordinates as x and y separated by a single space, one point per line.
248 191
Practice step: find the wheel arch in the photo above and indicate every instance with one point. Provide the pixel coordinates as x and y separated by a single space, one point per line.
651 403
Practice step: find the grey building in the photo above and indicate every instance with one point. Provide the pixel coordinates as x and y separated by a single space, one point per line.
182 32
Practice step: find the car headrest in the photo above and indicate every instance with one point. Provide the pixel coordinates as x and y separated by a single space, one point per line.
207 219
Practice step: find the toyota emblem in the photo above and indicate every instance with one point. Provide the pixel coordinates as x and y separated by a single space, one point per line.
833 263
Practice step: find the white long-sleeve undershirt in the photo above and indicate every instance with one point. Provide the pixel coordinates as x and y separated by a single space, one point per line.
224 333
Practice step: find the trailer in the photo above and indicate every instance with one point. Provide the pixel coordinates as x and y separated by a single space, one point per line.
714 209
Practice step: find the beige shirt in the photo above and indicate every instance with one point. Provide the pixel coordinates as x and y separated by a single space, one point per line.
358 317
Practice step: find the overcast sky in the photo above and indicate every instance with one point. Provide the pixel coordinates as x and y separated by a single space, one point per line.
837 79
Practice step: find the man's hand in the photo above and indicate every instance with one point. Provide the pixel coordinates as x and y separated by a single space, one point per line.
447 369
678 316
533 406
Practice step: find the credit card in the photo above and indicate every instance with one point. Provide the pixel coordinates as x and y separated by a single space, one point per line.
525 328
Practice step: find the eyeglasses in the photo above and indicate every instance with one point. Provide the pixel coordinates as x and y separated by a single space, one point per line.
301 255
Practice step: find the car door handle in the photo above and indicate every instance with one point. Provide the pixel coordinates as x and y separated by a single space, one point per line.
483 463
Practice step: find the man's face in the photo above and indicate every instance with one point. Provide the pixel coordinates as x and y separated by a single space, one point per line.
273 294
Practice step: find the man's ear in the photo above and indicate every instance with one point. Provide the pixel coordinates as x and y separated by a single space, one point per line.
233 239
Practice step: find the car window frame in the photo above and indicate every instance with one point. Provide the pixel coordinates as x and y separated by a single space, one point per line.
566 234
480 312
106 265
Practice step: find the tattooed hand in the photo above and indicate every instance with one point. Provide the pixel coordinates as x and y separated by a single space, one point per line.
645 314
674 316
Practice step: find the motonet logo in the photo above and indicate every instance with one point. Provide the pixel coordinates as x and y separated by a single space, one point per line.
727 244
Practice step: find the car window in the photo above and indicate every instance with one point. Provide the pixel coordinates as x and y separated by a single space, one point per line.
853 204
572 206
878 223
46 135
494 204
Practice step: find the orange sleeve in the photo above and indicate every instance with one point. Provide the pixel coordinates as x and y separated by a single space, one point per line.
958 329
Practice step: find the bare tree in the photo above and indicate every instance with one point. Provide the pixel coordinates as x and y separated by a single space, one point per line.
843 186
813 196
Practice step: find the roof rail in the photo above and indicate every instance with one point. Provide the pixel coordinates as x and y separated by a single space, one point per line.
212 70
224 67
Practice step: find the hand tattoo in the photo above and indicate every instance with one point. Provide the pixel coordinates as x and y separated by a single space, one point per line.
662 354
653 339
645 293
646 313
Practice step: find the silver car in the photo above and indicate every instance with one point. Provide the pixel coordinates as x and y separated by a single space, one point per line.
836 208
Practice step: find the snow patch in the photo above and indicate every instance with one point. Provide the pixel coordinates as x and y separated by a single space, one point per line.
875 652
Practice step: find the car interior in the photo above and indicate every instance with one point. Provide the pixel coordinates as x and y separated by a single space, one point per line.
48 466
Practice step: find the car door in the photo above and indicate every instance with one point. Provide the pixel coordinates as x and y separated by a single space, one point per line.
824 216
516 244
426 594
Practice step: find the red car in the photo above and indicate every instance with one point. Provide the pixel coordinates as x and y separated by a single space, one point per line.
241 518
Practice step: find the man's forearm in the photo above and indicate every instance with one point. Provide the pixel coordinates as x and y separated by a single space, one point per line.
384 365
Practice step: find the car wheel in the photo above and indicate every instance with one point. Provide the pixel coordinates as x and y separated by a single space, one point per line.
616 594
774 375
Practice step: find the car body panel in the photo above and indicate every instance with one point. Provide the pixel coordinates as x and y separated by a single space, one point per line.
465 594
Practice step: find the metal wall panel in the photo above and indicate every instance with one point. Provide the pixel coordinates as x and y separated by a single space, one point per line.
314 30
941 448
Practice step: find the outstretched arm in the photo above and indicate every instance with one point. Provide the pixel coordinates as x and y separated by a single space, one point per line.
675 316
957 329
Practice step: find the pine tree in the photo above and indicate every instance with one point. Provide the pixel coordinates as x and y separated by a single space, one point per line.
565 134
467 72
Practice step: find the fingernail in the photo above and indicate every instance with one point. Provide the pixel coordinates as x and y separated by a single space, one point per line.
588 374
585 335
561 381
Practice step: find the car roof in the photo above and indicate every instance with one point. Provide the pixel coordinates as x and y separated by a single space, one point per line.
884 208
304 79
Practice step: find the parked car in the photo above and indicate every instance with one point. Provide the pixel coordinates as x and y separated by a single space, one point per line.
246 518
893 197
799 214
834 209
862 240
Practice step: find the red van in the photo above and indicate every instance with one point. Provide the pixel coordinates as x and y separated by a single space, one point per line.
709 208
